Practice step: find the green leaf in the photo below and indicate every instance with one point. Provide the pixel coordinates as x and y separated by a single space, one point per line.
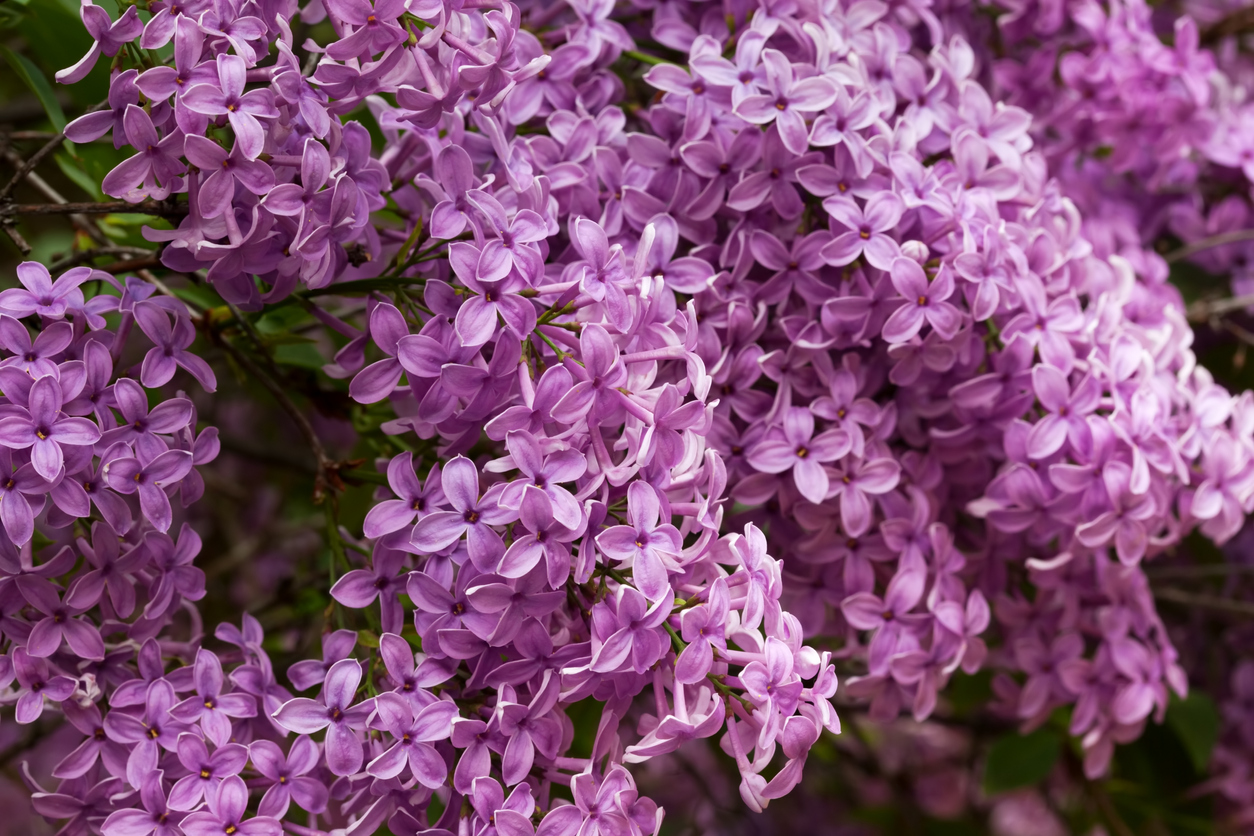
79 177
1020 760
1196 722
303 355
39 85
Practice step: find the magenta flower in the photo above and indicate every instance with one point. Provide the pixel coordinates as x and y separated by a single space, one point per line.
209 705
472 517
869 228
108 38
335 713
289 776
150 481
37 683
414 732
801 452
649 548
156 171
789 103
39 294
924 303
227 808
45 428
244 111
629 635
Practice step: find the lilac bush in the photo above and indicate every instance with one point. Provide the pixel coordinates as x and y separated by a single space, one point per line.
702 352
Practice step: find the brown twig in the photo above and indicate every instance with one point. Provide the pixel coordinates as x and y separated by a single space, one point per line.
29 166
10 229
1222 239
86 256
109 207
1217 570
1202 601
1206 311
1242 20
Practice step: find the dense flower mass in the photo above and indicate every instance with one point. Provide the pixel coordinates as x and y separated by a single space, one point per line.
707 347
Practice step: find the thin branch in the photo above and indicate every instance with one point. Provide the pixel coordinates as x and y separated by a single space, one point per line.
86 256
1236 23
1190 250
1202 601
148 207
10 229
1205 311
80 222
1216 570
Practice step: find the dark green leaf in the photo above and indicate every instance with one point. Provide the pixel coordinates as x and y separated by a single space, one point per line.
39 85
1020 760
1196 722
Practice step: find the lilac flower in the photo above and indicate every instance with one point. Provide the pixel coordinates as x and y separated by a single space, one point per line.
110 571
139 427
855 481
155 171
226 170
493 297
150 481
789 101
310 672
209 705
148 733
45 428
206 771
108 38
60 622
651 549
96 745
628 636
773 686
37 683
704 628
359 588
39 294
472 517
801 452
868 230
774 179
376 30
227 98
155 819
889 617
170 349
227 808
336 713
1066 411
414 732
289 776
547 474
34 357
924 303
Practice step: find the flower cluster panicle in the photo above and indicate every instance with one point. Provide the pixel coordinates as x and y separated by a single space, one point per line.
707 375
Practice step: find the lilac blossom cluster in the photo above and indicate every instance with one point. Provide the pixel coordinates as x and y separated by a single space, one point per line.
793 351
